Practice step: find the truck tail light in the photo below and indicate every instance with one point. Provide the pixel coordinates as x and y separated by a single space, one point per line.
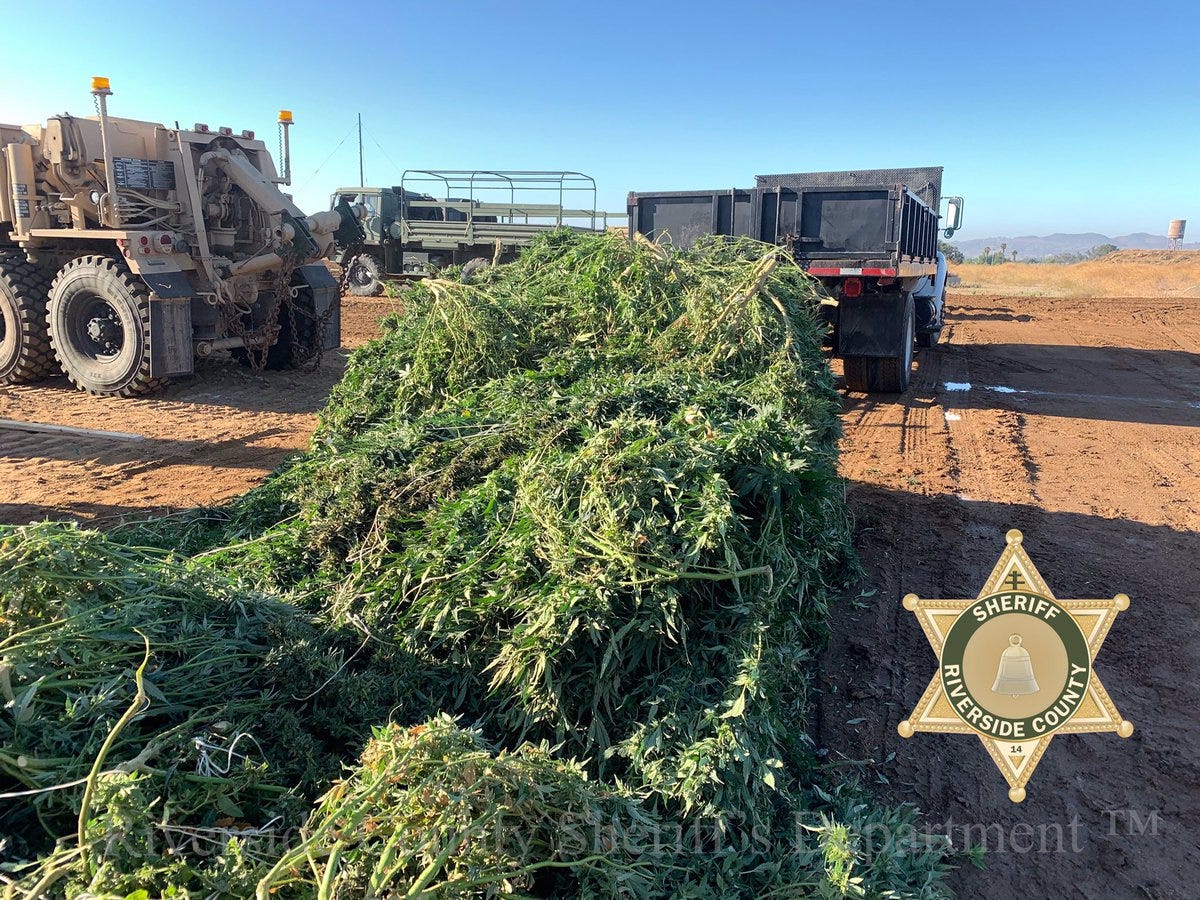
852 287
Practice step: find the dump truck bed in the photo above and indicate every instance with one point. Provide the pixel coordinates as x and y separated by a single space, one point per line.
855 227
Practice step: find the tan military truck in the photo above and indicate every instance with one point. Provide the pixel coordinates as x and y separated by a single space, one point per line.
129 249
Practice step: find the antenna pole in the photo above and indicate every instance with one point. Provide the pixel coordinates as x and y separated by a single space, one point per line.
362 179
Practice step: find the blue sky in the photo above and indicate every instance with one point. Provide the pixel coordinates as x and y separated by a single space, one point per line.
1048 116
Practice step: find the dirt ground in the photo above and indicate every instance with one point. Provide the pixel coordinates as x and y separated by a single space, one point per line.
1080 427
200 441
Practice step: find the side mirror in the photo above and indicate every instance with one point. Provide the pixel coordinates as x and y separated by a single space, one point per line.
953 216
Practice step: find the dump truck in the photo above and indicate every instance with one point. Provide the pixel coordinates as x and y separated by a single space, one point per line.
480 218
870 236
129 249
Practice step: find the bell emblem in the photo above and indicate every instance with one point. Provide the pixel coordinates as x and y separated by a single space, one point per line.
1015 675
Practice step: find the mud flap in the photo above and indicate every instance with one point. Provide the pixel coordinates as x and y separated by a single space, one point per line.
869 325
171 350
170 336
325 293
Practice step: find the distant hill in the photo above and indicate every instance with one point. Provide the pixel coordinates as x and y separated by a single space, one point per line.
1035 247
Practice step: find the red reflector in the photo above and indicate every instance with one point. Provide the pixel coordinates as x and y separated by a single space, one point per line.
144 240
852 287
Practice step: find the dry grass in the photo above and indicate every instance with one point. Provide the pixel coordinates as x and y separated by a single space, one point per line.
1125 274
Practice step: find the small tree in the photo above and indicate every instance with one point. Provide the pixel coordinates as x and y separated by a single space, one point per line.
987 256
1003 255
1103 250
952 253
1014 256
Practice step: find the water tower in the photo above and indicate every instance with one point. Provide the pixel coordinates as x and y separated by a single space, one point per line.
1175 234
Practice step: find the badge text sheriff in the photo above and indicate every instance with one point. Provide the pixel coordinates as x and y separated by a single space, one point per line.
1006 603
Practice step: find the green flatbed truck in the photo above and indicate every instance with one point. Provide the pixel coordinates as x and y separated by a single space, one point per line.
480 218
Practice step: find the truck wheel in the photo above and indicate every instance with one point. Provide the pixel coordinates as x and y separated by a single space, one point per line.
99 319
473 267
25 353
885 374
364 277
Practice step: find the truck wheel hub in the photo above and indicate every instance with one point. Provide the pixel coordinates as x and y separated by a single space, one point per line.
105 331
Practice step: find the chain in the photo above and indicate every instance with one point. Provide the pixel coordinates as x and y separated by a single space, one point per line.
282 294
258 341
308 359
349 255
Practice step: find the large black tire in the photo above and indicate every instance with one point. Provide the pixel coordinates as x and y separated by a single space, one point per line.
25 353
364 275
473 267
885 374
99 322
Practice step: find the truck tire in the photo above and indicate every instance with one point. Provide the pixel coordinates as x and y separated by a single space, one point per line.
25 353
885 374
473 267
99 323
364 276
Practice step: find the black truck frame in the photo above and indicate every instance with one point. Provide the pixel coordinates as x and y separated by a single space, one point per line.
870 236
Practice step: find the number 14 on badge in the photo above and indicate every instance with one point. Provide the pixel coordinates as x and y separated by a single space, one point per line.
1015 666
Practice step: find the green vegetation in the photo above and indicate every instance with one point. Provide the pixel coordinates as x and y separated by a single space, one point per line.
952 253
552 573
990 257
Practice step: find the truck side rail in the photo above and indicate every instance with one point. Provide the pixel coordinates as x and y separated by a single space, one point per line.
455 235
514 213
497 185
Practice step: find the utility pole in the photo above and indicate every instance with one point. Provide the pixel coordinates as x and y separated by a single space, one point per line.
362 179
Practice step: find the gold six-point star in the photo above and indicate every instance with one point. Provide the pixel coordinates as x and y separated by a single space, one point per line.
1039 650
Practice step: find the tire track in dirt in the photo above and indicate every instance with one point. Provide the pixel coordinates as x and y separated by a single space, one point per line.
989 447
